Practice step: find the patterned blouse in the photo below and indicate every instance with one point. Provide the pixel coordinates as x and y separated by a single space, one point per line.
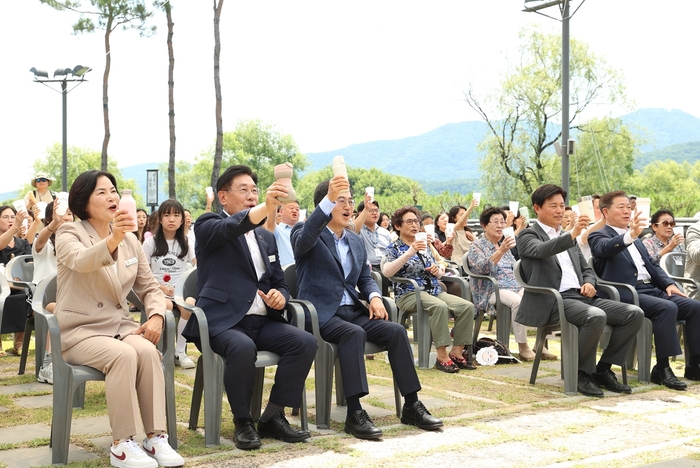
413 269
479 254
654 247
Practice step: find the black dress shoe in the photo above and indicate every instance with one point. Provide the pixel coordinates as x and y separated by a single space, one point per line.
418 415
244 434
692 372
277 427
586 387
608 380
361 426
665 376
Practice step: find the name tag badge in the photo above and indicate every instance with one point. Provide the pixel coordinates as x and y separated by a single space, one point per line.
678 261
377 252
272 258
131 261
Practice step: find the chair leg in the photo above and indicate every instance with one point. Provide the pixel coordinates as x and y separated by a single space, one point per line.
569 358
256 400
213 394
339 389
62 418
28 328
397 399
539 346
477 325
422 327
323 368
196 395
171 416
644 340
503 321
40 333
491 317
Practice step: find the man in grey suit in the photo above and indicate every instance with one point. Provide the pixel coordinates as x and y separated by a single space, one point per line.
554 260
331 263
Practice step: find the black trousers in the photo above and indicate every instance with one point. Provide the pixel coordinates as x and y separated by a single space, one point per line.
350 328
239 346
663 311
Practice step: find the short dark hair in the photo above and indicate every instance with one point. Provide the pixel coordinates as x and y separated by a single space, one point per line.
361 206
568 208
452 216
232 172
81 190
485 216
633 197
655 217
545 192
606 200
595 196
7 207
397 217
424 217
321 191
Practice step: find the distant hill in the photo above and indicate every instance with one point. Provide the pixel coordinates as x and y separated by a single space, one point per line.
689 152
448 151
664 127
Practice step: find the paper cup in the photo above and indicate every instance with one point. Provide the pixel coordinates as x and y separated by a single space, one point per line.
20 205
585 207
370 191
576 209
449 229
302 215
644 207
524 212
42 209
422 236
63 203
678 230
429 229
507 232
477 197
210 191
513 206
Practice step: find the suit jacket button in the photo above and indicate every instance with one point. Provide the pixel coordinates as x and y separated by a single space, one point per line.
99 304
250 301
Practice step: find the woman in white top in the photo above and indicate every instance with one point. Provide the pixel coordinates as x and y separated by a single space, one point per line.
168 251
44 255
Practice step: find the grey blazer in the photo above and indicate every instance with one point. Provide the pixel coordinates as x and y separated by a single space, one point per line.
540 267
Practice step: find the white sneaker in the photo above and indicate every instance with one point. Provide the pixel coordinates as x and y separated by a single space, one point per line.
159 448
46 374
183 360
129 454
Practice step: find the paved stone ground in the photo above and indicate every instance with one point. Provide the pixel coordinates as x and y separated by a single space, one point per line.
653 426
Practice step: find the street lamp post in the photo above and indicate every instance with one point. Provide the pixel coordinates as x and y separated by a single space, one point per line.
78 76
566 147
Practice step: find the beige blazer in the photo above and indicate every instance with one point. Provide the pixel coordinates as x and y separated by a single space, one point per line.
92 284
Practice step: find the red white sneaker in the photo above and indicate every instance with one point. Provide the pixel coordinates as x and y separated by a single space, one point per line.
128 454
159 448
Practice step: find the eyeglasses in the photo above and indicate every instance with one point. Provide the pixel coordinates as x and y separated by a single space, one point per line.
415 221
8 218
244 191
499 222
666 223
373 211
42 179
345 202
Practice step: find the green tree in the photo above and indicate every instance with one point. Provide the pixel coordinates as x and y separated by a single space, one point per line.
79 161
218 147
520 114
669 185
253 143
110 15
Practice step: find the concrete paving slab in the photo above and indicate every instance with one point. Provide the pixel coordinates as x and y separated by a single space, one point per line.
27 387
678 463
651 402
24 433
42 401
91 425
41 456
4 409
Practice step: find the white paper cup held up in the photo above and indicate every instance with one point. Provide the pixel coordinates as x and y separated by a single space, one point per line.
210 191
513 206
585 207
370 191
42 209
429 229
63 204
678 230
449 229
477 196
508 232
422 236
644 207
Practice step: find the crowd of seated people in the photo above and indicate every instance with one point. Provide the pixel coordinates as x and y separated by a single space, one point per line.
250 241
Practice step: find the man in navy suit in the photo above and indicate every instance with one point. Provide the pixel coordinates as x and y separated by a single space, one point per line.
331 262
241 290
619 255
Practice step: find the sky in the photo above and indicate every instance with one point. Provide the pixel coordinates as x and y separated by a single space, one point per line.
330 73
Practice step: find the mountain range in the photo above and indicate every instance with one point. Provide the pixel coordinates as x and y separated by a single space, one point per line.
447 157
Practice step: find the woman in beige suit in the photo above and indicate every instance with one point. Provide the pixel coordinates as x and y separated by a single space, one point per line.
99 262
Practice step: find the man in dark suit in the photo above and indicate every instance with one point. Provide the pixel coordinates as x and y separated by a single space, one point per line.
552 259
331 262
619 255
242 292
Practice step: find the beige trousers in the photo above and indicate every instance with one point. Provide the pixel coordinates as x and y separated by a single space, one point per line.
439 308
134 381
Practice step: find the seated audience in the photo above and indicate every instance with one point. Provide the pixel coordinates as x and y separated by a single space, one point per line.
620 256
464 236
441 226
385 221
167 252
664 240
99 263
376 238
491 255
692 258
410 258
289 216
141 221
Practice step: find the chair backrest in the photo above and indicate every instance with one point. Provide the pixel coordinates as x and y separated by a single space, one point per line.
186 285
290 279
21 267
673 263
45 293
